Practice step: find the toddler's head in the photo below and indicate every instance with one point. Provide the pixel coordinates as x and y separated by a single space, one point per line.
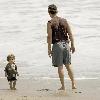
11 58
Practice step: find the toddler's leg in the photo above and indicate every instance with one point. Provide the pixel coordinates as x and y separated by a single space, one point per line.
14 84
10 83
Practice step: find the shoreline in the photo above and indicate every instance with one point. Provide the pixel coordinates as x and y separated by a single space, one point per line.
47 89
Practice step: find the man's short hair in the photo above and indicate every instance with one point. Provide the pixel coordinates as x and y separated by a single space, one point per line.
52 9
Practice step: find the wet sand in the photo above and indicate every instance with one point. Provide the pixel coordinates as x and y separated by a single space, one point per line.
28 89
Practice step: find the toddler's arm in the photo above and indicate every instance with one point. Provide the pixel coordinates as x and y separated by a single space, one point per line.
5 72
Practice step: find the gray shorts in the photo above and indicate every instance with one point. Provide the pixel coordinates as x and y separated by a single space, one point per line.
61 54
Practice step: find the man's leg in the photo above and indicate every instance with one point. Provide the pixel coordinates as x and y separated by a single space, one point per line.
71 76
61 76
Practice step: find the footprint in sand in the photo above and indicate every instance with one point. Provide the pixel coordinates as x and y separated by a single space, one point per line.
24 98
44 90
78 92
75 91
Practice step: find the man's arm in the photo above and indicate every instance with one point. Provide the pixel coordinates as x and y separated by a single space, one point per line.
49 38
70 37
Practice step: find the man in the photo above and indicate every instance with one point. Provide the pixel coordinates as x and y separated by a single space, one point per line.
59 34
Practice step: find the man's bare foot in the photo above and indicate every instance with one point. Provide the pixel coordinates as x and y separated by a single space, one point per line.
73 86
62 88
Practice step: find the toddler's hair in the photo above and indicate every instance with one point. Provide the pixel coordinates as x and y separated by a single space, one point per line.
10 56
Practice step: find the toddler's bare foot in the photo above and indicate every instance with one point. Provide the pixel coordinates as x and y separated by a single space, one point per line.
14 88
10 86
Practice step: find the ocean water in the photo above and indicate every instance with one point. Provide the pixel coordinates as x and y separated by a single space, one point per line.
23 32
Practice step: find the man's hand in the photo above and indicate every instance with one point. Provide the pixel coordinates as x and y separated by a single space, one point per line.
72 49
50 53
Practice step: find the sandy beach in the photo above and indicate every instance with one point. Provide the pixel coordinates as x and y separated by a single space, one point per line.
28 89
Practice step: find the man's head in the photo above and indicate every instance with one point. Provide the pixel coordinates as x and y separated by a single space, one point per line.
52 9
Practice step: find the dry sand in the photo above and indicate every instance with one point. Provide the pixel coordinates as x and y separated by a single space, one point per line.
28 89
